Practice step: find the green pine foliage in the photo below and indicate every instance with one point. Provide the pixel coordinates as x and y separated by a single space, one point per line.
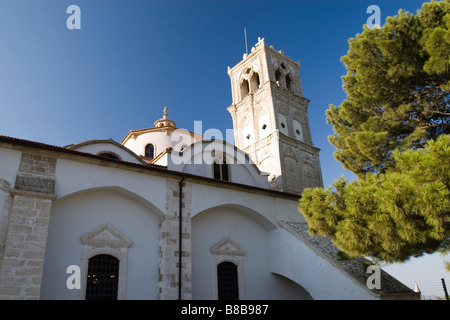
393 132
397 89
391 216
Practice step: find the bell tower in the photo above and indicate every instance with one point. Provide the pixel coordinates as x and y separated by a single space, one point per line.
270 119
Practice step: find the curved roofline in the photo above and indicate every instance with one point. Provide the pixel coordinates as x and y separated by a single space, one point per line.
154 129
154 168
110 141
248 160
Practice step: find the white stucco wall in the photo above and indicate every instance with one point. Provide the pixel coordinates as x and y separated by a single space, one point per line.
161 140
294 259
90 196
73 217
72 177
198 159
213 225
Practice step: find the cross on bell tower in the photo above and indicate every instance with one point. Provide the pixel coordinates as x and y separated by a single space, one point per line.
270 119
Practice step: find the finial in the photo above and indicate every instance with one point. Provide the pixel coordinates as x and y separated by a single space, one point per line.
165 113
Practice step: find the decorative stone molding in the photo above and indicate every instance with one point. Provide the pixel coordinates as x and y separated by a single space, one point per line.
106 236
228 250
228 247
36 173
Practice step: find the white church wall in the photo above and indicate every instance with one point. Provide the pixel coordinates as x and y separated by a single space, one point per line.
198 158
297 261
74 217
266 209
256 280
72 177
161 140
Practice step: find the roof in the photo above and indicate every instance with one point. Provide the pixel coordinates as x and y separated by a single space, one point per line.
354 268
147 168
163 124
75 146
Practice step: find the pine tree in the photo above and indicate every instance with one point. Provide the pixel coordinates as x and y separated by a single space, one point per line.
393 132
397 89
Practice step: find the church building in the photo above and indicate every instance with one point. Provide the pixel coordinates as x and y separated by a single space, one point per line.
167 214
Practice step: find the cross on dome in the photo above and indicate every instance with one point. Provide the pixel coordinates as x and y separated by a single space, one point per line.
164 121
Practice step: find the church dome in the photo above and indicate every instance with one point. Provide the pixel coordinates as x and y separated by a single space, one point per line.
164 121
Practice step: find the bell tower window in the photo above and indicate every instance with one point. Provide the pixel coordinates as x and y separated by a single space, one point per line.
245 88
278 77
289 83
255 82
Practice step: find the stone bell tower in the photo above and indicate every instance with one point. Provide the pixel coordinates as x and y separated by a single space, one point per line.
270 119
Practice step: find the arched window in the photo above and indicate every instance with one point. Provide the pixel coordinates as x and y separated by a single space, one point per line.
109 155
227 281
245 88
102 278
255 82
149 151
278 77
221 170
288 82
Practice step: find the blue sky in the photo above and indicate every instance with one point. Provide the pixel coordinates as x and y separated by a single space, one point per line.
132 58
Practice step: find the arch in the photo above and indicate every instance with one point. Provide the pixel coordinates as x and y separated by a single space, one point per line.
255 215
245 88
278 75
118 189
98 146
295 288
200 154
289 82
255 82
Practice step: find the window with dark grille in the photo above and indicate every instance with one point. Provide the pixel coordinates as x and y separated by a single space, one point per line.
102 278
227 281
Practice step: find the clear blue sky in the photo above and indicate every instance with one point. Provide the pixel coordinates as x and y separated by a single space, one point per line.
132 58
